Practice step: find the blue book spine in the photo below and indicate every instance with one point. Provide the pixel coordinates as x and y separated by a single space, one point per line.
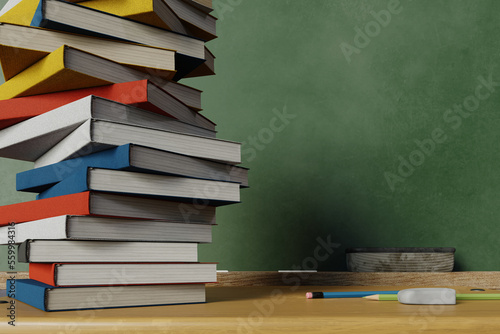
79 182
35 293
31 292
40 179
76 183
38 17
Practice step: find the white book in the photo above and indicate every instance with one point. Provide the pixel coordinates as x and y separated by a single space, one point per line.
32 138
104 228
97 135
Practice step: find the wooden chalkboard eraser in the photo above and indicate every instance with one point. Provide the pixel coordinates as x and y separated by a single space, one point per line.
407 259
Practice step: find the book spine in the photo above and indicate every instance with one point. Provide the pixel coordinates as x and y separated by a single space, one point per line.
76 183
46 300
44 272
35 295
42 178
23 252
38 18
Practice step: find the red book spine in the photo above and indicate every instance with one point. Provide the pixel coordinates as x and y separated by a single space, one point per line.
46 273
43 272
74 204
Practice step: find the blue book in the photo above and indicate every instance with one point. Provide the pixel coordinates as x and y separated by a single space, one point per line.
49 298
71 17
136 158
173 188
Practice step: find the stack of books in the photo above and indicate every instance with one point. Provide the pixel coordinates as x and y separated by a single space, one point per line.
127 171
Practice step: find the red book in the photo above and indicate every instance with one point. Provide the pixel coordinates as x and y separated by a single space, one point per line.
125 273
74 204
142 94
43 272
106 204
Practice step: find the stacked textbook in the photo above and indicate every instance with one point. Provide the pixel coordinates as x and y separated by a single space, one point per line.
127 171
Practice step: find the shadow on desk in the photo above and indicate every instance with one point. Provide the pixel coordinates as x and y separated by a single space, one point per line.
236 293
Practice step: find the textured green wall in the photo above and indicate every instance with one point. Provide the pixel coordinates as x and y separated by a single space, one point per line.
359 129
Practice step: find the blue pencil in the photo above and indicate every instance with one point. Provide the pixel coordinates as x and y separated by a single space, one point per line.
347 294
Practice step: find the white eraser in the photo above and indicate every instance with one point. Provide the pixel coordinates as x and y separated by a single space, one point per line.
428 296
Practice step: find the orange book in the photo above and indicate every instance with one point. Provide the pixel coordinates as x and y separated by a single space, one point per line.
101 273
74 204
43 272
105 204
142 94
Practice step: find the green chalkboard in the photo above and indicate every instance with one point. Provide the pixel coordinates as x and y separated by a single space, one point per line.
364 123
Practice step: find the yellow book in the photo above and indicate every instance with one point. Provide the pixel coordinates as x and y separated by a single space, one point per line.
68 68
75 18
174 15
142 11
50 74
22 13
22 46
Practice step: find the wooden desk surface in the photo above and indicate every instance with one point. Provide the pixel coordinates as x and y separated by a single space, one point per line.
267 310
